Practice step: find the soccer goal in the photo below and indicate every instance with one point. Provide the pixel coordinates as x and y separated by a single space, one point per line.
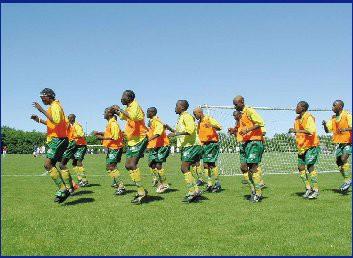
280 156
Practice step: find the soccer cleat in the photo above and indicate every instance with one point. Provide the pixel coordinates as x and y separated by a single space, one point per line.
190 198
307 193
345 187
138 199
256 198
83 183
115 185
313 195
209 188
262 186
162 188
244 182
120 191
217 187
61 196
200 182
71 191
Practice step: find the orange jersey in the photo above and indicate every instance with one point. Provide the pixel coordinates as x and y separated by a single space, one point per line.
59 128
157 127
343 122
75 133
206 131
306 141
116 136
246 122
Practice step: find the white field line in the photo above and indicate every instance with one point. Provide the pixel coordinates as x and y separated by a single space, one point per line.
104 174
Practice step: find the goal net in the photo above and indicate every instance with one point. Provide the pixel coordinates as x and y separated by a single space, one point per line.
280 156
95 149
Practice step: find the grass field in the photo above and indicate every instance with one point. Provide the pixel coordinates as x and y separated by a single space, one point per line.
95 222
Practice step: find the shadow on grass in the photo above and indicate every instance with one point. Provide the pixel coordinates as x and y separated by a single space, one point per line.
92 185
171 190
79 201
300 194
337 191
151 198
82 192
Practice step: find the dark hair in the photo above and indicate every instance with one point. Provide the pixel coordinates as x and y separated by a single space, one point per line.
153 110
340 102
184 103
48 92
304 104
130 94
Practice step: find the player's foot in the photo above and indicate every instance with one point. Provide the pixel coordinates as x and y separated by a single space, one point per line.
244 182
115 185
190 198
138 199
61 196
262 186
83 183
209 188
120 191
314 194
200 182
217 187
345 187
256 198
307 193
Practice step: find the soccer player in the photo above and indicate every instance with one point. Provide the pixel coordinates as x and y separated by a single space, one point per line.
136 134
159 149
252 148
341 127
78 155
113 140
191 150
207 131
308 149
57 141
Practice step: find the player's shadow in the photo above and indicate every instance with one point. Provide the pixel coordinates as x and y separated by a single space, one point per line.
300 194
79 201
152 198
92 185
83 192
337 191
171 190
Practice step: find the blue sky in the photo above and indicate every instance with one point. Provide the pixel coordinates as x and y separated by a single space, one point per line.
272 54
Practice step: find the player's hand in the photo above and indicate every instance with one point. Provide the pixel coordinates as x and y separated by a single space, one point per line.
95 132
291 130
231 130
38 106
323 122
171 135
243 131
35 118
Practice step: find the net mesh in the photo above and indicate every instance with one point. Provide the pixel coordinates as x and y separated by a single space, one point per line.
280 156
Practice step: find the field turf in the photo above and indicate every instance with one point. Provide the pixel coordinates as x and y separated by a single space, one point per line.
96 222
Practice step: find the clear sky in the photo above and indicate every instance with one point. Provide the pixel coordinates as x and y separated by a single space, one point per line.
272 54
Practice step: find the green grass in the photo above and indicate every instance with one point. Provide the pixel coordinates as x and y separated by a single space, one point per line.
95 222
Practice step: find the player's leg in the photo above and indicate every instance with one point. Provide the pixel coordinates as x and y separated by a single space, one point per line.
342 154
304 175
112 159
311 157
80 169
133 155
152 156
208 176
197 173
162 155
56 148
254 151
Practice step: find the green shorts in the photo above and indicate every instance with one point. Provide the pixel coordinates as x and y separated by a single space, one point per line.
80 152
70 150
56 148
137 150
251 152
309 157
159 155
343 148
210 152
191 154
114 156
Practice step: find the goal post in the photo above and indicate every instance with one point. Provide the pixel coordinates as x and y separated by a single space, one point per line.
280 155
